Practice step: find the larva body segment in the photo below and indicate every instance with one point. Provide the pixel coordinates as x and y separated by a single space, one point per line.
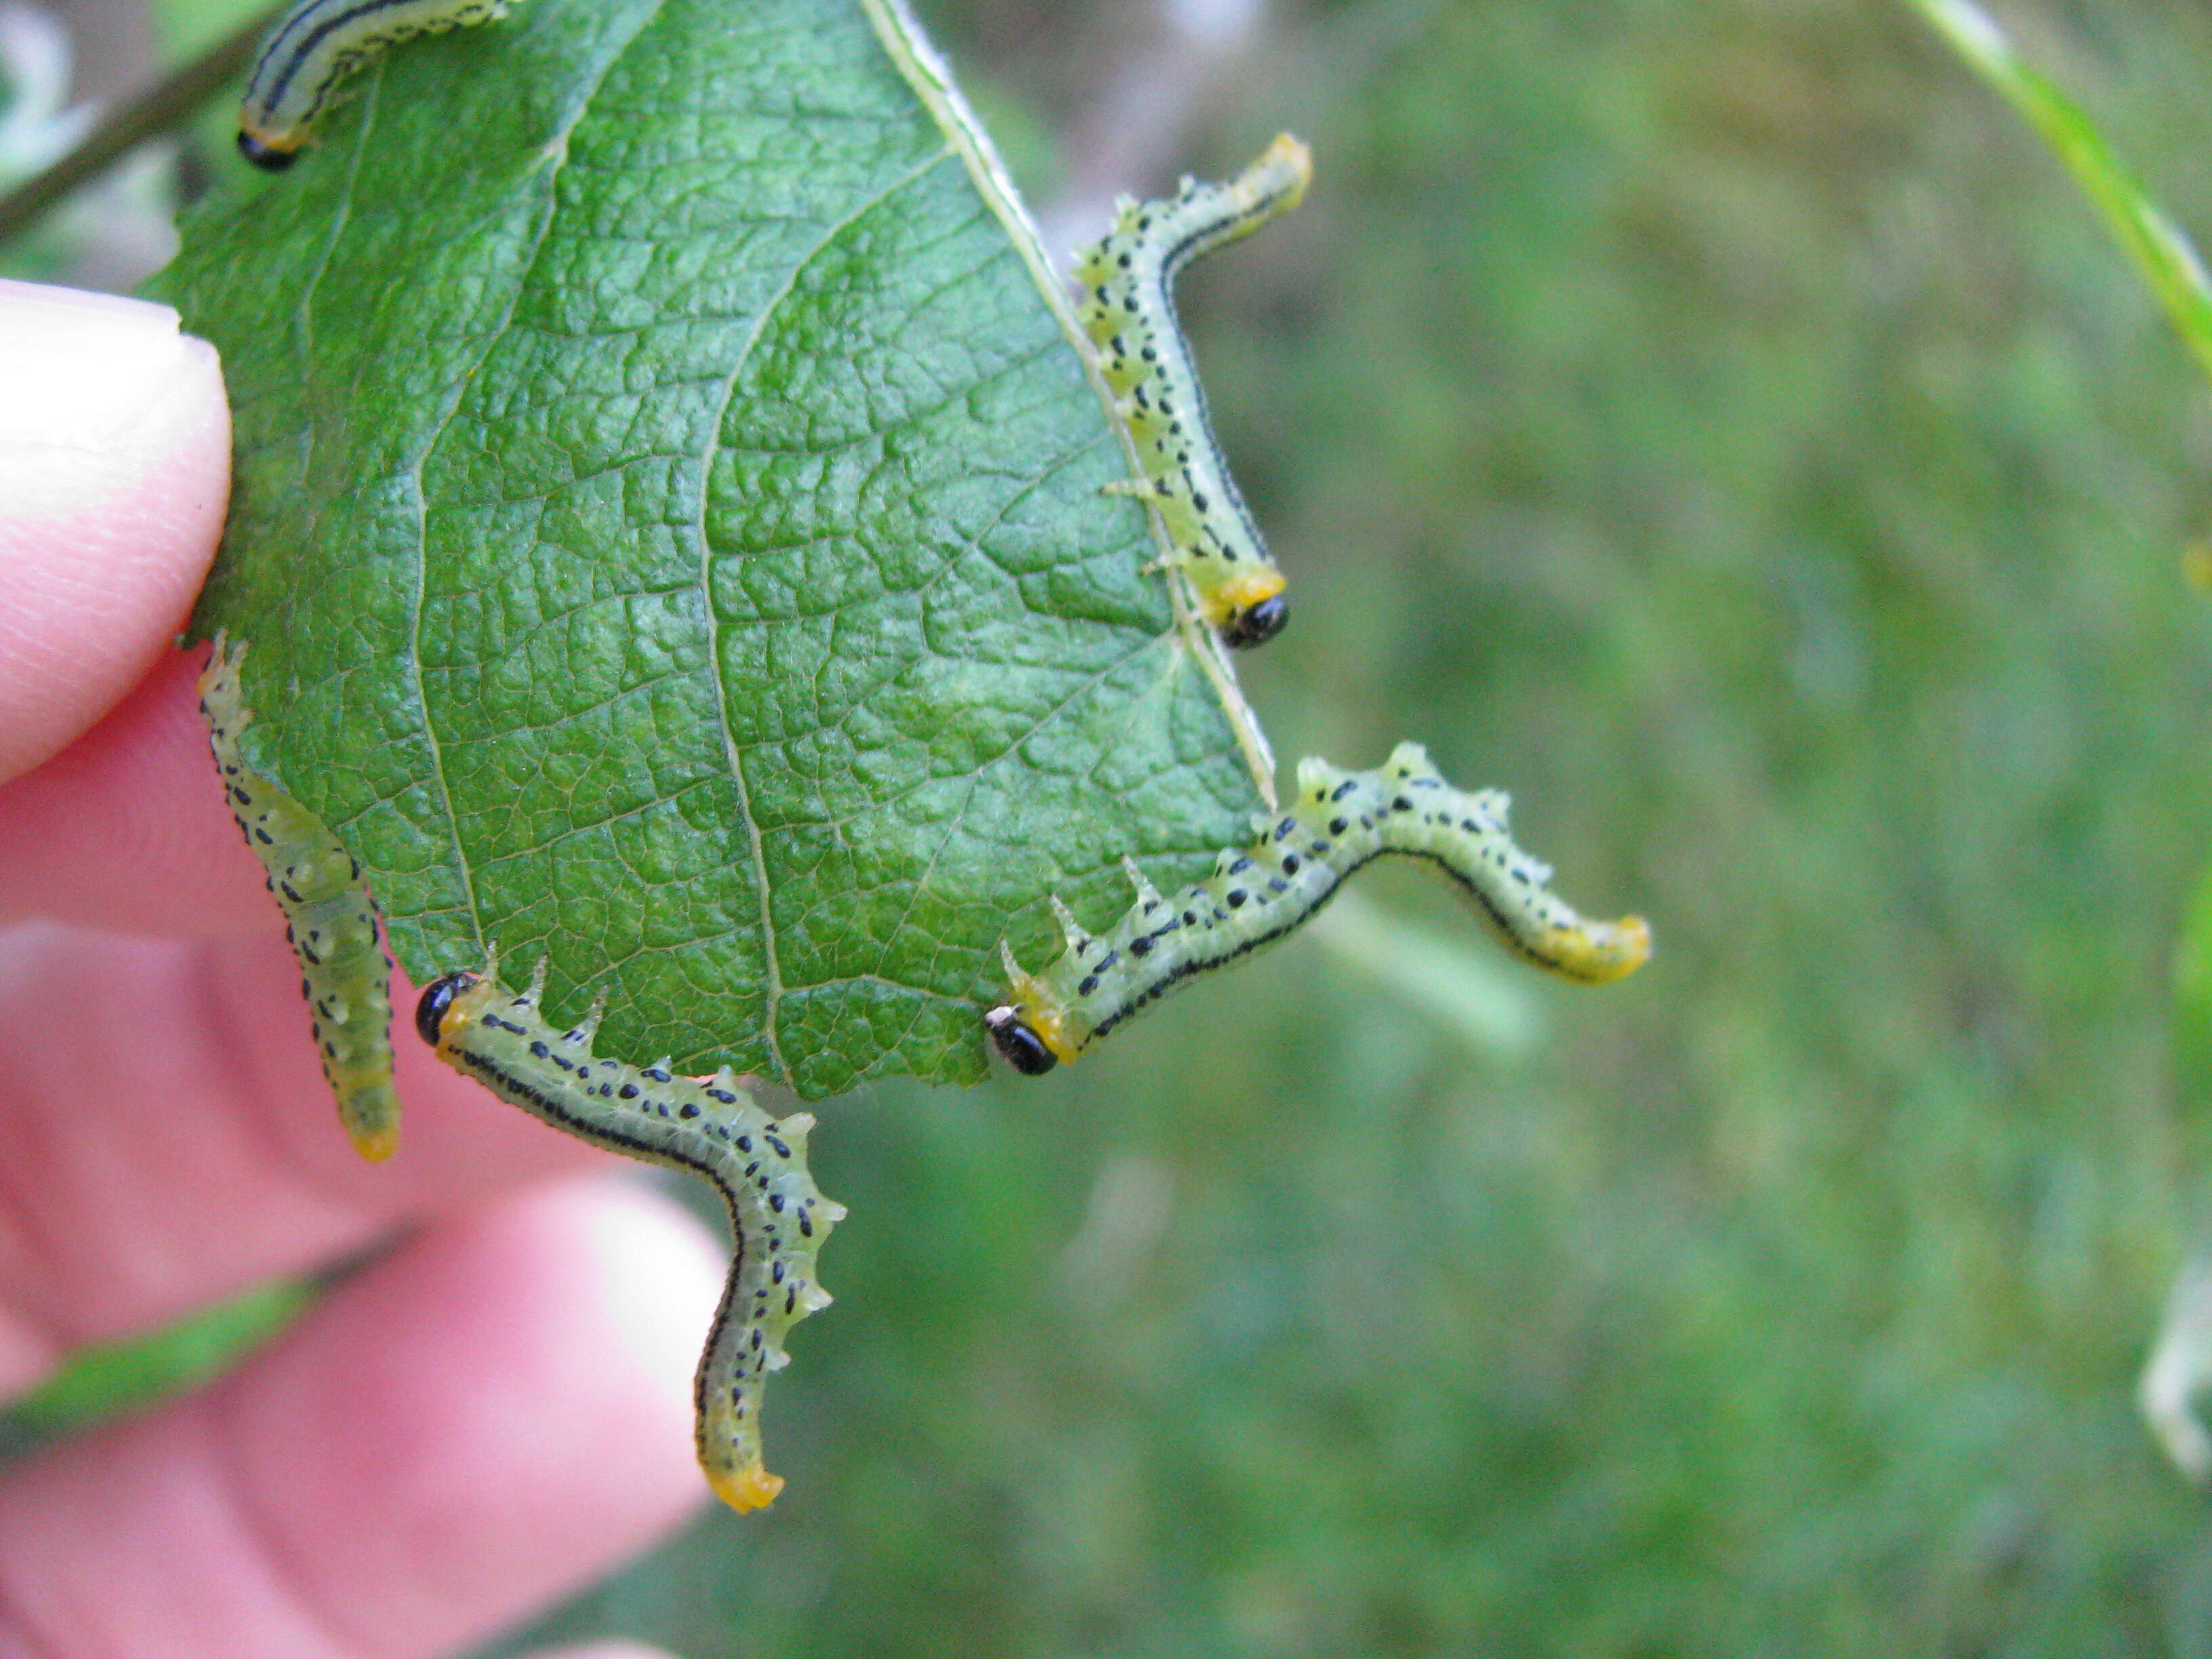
714 1130
312 50
1339 821
329 919
1128 311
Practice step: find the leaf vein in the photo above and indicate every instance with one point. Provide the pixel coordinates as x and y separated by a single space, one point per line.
444 424
773 1001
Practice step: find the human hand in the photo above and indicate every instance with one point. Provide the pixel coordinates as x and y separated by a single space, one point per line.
493 1413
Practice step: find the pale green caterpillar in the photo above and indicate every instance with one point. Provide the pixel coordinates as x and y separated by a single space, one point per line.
1128 311
315 47
1339 821
712 1129
329 917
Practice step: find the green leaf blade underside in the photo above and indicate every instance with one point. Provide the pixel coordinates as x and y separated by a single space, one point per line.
668 532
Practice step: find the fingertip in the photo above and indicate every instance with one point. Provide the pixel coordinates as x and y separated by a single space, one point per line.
115 479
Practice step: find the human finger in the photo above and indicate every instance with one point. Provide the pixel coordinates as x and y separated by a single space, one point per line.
491 1417
126 829
167 1138
115 479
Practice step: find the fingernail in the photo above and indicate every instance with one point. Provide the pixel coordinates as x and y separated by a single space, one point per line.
114 472
85 370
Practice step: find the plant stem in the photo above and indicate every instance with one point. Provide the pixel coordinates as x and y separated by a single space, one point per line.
164 106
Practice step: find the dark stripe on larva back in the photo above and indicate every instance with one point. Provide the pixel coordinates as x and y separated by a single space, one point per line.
1292 921
778 1218
1201 239
319 29
1191 406
1290 873
519 1091
1506 927
1205 237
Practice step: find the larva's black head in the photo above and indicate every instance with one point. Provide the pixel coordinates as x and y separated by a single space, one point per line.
437 997
265 154
1023 1049
1255 624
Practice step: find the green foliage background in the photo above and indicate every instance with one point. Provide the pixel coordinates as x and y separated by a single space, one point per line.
1725 427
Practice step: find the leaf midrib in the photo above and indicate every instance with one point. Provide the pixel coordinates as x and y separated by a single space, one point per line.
550 177
772 1000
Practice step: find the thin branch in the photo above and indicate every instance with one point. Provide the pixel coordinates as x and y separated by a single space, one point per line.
163 107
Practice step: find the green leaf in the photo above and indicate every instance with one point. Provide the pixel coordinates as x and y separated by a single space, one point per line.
2160 249
668 533
111 1378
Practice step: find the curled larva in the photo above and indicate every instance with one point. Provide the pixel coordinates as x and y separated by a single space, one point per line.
1257 894
329 917
714 1130
315 47
1128 311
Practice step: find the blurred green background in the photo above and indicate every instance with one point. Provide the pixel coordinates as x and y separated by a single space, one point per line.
1723 425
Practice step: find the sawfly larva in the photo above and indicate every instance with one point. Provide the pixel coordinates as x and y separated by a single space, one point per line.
329 917
1128 311
1257 894
712 1129
312 50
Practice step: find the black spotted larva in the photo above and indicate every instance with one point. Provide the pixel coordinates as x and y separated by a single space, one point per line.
712 1129
329 917
1257 894
1128 311
315 47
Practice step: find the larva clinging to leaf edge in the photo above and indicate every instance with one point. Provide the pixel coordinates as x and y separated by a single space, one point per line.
312 50
1257 894
1128 311
711 1128
329 917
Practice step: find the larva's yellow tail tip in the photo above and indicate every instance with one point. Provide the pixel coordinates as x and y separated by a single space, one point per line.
376 1146
1627 948
370 1117
1597 952
746 1489
1293 157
